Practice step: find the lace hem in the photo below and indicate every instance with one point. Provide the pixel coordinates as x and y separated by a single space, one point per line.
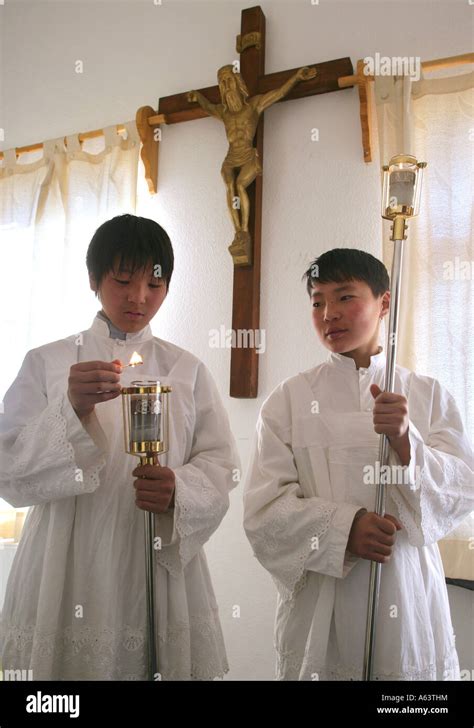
293 666
193 651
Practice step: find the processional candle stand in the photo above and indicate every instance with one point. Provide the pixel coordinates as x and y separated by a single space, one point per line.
400 200
146 420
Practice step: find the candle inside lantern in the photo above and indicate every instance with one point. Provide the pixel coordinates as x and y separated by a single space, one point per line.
145 416
402 188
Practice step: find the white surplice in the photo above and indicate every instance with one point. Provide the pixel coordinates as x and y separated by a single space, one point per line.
75 600
307 480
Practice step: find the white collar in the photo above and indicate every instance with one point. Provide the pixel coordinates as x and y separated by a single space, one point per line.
339 360
100 327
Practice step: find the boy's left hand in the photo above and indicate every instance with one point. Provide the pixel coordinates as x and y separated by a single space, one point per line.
391 418
155 487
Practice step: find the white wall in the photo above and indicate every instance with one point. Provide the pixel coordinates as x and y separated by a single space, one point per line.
317 195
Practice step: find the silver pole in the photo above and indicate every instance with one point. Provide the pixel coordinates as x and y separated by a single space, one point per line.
375 566
152 652
138 445
152 661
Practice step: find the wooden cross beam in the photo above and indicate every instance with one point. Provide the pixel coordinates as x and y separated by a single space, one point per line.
175 109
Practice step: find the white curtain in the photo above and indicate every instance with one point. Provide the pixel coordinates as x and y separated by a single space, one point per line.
51 202
433 119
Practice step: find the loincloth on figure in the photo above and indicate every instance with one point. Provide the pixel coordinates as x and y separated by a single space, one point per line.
241 157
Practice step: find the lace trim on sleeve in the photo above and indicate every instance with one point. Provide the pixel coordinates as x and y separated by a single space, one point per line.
273 537
199 509
47 481
423 524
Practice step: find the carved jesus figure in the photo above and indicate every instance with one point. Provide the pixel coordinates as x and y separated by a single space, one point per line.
240 114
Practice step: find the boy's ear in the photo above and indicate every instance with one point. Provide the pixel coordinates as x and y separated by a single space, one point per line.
385 304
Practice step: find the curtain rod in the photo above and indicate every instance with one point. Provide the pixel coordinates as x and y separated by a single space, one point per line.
450 62
343 82
86 135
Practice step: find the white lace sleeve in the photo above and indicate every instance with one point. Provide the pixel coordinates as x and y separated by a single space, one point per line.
45 452
439 489
288 532
202 484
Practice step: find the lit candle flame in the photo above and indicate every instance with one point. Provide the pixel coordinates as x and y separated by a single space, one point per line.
135 360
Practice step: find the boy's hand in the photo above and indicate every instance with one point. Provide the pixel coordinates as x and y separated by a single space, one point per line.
91 382
372 537
391 418
155 487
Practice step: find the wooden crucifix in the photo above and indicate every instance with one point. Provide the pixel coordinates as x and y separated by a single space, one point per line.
178 108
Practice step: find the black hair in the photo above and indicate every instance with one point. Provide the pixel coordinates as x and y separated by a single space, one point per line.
348 264
136 241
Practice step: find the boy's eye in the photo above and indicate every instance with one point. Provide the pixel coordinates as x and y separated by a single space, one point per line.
124 283
316 304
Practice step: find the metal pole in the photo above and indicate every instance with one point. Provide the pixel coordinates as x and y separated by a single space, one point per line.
138 443
375 566
152 661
